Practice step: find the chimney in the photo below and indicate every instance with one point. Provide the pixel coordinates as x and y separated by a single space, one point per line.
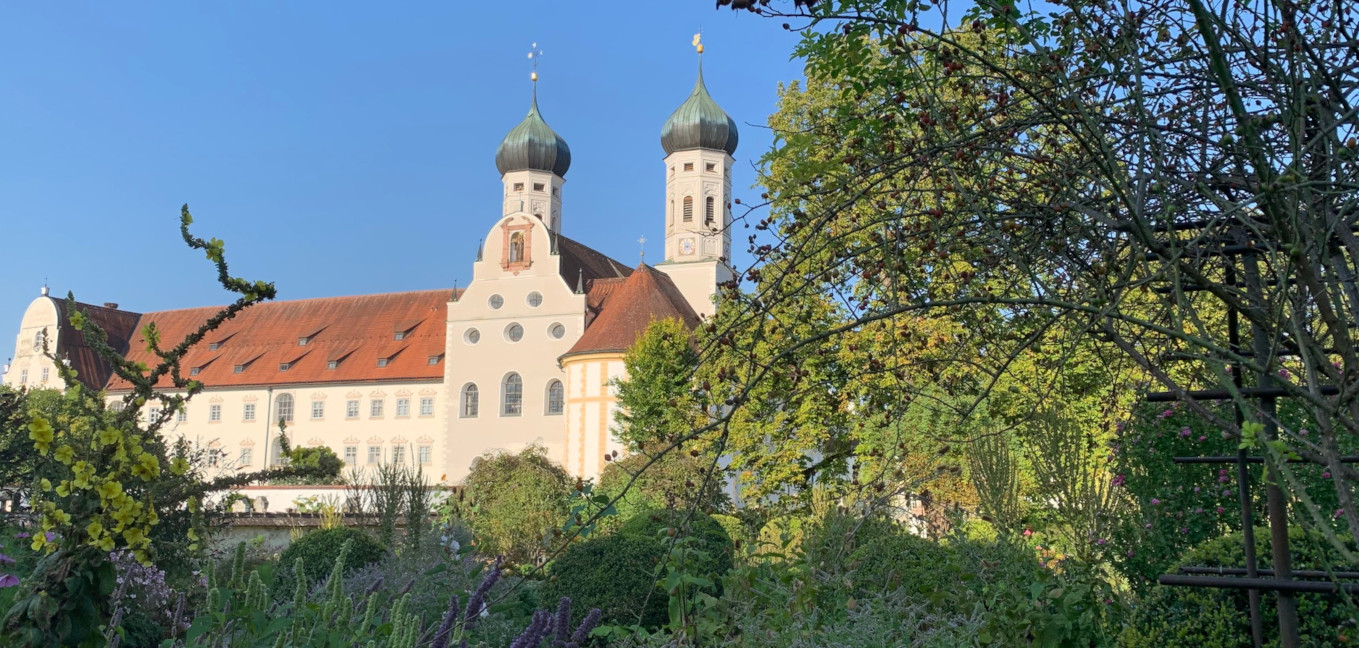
112 305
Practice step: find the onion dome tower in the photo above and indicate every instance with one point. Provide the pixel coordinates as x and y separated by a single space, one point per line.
533 160
699 139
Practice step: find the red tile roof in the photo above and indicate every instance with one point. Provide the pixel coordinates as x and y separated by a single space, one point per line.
355 331
626 308
91 369
579 261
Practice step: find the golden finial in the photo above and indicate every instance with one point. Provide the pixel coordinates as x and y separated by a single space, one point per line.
534 54
698 41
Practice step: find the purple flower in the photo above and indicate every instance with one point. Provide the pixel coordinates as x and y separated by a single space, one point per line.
1326 474
1118 480
1184 432
21 535
1168 413
1155 502
1101 541
1283 373
9 580
1198 510
1131 553
1220 510
1202 438
1302 432
6 560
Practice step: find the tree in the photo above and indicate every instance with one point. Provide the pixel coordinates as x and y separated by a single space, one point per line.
657 403
514 502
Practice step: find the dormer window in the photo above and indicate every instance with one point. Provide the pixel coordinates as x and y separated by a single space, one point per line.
284 366
302 341
193 371
382 362
433 360
213 346
332 364
399 335
238 369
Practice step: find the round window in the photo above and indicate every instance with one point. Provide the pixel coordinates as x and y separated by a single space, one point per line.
557 331
496 301
514 332
472 336
535 299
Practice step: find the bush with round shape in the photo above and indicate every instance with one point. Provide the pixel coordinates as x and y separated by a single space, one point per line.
713 539
318 551
615 573
1195 616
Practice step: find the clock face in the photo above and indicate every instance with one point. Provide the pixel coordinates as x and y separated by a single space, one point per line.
687 246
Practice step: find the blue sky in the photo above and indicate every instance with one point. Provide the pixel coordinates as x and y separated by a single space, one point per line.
341 147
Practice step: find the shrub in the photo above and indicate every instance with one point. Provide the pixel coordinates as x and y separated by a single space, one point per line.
676 481
318 550
714 541
1192 616
615 573
513 500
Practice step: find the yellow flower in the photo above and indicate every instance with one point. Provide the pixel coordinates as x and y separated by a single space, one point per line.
61 517
46 484
64 488
110 489
39 539
179 466
83 471
106 543
193 534
148 466
108 437
95 529
40 431
65 454
134 536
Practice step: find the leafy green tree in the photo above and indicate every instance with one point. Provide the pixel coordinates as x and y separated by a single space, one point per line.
663 478
514 501
657 401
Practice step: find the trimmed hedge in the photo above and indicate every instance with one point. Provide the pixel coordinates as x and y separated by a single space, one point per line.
318 551
616 574
1192 616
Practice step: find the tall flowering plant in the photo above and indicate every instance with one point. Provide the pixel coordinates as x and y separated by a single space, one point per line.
106 481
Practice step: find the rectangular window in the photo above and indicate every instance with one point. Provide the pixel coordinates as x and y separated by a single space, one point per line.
710 166
284 366
382 362
351 455
374 455
183 414
302 341
193 371
213 346
375 408
433 360
214 413
424 454
398 455
537 186
332 364
247 456
248 412
403 407
688 166
427 406
351 409
213 453
155 414
238 369
399 335
23 376
518 186
45 373
318 409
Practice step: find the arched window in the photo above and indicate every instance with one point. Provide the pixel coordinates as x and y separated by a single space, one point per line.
670 215
512 396
708 213
37 340
517 247
688 209
283 409
556 397
470 403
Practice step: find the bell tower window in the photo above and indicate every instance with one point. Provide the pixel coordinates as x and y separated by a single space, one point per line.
708 211
688 209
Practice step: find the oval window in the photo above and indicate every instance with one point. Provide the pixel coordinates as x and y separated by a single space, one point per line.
472 336
496 301
535 299
514 332
557 331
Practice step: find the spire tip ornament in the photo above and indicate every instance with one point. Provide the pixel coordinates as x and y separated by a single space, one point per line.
698 41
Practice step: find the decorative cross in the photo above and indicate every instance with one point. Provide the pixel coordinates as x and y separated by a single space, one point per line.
642 243
534 54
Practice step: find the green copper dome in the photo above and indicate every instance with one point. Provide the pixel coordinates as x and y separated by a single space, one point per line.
533 145
699 123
